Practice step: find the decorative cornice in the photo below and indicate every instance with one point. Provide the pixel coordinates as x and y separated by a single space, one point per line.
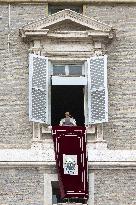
52 165
67 14
40 27
44 153
42 156
64 34
112 165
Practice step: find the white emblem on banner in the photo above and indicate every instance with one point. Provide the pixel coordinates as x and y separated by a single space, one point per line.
70 164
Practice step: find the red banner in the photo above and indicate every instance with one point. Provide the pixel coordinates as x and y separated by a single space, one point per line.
71 160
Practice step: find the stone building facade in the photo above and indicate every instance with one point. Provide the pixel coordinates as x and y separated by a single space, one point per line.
84 29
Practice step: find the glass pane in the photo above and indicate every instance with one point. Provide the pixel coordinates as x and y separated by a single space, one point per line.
75 70
58 70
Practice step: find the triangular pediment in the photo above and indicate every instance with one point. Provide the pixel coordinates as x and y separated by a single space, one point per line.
42 26
67 25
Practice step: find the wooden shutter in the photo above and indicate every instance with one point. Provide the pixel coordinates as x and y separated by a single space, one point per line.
97 90
38 88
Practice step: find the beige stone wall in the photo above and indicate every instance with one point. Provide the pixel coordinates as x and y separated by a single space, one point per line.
120 131
15 129
115 187
23 186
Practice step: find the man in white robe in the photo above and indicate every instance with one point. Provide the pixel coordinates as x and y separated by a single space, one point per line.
68 120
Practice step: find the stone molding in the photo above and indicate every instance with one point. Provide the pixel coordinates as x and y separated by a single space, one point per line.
43 156
67 14
40 27
67 1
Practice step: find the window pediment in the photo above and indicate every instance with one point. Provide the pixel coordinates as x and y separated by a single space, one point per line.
46 27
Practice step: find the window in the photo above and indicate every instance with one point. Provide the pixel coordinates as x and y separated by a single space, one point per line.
66 98
55 8
90 92
64 95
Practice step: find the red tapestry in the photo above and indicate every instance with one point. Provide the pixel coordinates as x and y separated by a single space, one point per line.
71 160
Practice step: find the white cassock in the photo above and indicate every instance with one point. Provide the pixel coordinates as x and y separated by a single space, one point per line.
68 122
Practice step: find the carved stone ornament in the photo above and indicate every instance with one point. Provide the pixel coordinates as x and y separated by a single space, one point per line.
92 27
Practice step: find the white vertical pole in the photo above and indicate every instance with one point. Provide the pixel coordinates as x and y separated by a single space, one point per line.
91 188
85 96
50 69
47 189
89 92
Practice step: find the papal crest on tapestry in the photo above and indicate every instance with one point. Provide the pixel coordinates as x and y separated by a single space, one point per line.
70 164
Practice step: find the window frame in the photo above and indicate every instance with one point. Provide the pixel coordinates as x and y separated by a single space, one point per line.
67 67
86 92
50 72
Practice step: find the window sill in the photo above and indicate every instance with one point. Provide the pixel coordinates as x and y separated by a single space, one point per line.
89 130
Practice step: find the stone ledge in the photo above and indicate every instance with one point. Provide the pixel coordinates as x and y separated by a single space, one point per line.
44 155
68 1
112 165
106 155
52 165
96 144
89 130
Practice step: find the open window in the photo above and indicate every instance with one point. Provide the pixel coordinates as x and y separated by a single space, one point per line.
74 88
68 82
67 98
